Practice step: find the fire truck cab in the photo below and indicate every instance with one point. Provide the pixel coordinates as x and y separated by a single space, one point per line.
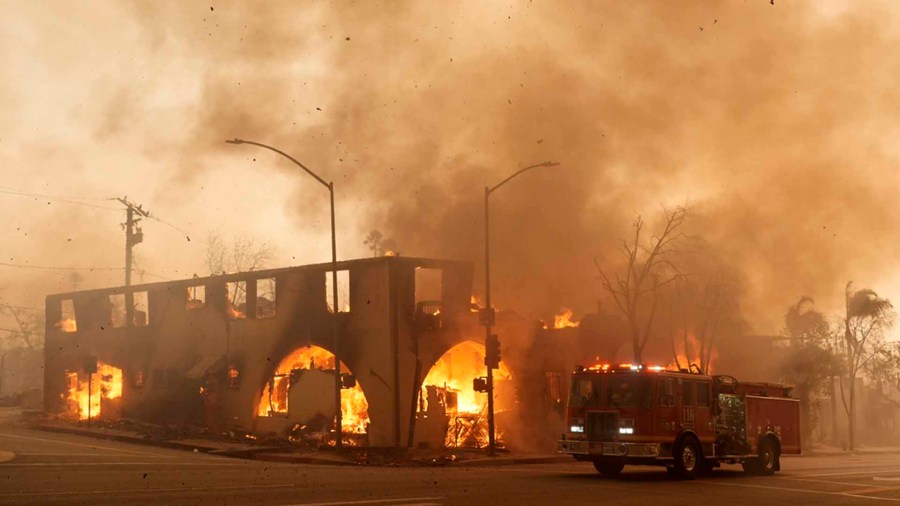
684 420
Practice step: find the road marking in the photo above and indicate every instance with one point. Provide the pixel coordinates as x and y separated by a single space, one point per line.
59 441
800 490
144 490
873 471
157 463
94 455
405 501
876 478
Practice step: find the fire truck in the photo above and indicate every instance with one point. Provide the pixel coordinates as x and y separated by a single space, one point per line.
685 420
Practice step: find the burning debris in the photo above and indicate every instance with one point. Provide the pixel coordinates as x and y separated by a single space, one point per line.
449 407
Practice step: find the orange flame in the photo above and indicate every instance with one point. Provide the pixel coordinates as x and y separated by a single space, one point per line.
354 407
693 348
106 383
67 325
564 319
452 375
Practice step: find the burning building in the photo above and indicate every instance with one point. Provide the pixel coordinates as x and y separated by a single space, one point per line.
254 350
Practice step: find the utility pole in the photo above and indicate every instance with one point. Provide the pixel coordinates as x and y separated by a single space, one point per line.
133 233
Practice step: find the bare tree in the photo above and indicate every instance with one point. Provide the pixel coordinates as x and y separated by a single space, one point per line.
866 318
702 307
648 268
29 324
242 254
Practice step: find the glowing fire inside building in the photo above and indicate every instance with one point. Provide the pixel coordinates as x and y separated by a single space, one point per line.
311 369
85 396
449 404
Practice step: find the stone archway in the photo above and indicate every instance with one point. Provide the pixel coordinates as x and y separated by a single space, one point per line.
300 391
449 411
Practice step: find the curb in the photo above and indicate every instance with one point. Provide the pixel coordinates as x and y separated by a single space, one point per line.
6 456
290 458
556 459
486 462
127 439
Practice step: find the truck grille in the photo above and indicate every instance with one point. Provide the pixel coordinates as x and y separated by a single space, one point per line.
602 426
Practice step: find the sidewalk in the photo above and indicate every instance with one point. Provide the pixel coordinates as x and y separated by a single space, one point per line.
214 447
352 456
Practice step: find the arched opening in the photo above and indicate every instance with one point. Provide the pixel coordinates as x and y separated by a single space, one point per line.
450 412
301 390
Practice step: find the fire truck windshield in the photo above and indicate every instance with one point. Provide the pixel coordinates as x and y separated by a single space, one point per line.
611 390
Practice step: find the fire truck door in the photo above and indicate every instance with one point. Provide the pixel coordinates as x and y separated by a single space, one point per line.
703 423
665 419
695 411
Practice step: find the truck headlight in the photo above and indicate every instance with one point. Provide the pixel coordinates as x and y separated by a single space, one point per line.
576 428
626 430
576 425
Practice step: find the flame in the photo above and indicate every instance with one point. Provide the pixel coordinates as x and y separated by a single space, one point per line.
452 375
474 304
390 253
67 325
235 313
695 346
106 383
354 407
564 319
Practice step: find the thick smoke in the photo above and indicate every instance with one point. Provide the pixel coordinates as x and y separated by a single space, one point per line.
771 119
774 121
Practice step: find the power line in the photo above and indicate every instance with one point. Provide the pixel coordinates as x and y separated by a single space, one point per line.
26 308
78 201
54 268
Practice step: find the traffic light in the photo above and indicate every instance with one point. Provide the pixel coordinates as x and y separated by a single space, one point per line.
479 384
492 352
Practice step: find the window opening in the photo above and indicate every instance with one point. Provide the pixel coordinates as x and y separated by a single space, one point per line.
196 297
265 298
141 309
67 316
117 318
237 300
343 295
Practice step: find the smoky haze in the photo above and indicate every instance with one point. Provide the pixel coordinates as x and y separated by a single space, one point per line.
773 121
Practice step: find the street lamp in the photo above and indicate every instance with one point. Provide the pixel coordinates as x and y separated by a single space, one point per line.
491 343
334 320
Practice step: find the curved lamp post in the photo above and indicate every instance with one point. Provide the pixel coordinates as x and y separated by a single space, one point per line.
334 320
491 342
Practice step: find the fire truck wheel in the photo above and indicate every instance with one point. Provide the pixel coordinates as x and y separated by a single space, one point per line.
687 458
608 468
768 458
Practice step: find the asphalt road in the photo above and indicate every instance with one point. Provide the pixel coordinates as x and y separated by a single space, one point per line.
54 468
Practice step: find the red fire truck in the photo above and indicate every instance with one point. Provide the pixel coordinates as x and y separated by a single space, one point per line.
684 420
